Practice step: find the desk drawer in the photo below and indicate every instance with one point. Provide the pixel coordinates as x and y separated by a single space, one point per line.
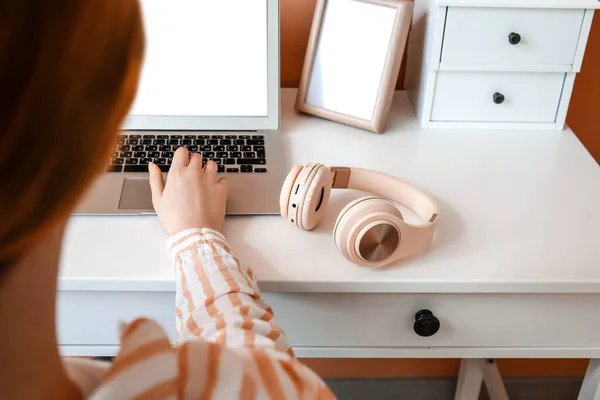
497 96
481 36
386 320
90 319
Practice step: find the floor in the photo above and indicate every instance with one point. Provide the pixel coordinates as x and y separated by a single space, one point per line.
443 388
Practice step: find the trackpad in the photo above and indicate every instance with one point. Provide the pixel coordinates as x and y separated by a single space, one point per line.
136 195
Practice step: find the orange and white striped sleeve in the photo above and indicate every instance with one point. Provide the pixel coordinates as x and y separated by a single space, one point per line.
218 300
230 346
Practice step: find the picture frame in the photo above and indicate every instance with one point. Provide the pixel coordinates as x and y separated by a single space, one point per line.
353 59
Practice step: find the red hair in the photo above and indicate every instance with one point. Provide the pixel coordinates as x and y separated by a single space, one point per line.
68 76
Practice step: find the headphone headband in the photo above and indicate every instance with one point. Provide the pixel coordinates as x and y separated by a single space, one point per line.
380 184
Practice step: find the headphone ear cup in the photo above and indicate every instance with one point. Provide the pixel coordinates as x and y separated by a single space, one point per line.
316 198
286 189
351 218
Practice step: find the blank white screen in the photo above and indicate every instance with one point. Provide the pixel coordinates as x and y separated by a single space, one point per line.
203 58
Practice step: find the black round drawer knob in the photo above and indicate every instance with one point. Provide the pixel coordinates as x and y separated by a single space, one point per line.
426 324
498 98
514 38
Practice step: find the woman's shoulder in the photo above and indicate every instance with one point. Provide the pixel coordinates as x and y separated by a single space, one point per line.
149 366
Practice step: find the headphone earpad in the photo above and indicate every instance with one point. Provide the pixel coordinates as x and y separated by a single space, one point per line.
352 219
286 189
316 198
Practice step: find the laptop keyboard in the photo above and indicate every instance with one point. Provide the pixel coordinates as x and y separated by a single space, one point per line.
231 153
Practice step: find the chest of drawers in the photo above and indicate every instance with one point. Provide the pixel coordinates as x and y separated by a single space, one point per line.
497 65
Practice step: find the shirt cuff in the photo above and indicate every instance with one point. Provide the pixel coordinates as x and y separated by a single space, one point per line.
187 237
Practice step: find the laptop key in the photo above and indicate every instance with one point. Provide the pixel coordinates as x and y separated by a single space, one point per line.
145 161
230 137
235 154
146 141
131 141
173 141
176 137
164 148
162 136
114 168
219 148
208 154
257 142
126 154
250 154
155 154
152 147
139 154
244 137
135 136
221 168
160 161
137 147
135 168
258 137
159 141
206 148
226 142
246 168
260 154
192 148
229 161
246 148
117 161
186 142
233 148
164 168
240 142
233 170
213 141
189 137
199 142
132 161
124 147
149 136
259 148
263 170
251 161
222 154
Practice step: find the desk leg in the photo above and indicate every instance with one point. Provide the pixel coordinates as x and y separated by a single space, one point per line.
469 380
589 388
493 380
474 371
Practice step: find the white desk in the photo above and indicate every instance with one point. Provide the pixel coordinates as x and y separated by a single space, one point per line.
514 270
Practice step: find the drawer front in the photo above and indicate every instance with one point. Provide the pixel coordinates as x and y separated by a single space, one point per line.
497 96
469 320
483 36
360 320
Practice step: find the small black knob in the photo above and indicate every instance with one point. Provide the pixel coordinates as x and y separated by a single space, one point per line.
498 98
514 38
426 324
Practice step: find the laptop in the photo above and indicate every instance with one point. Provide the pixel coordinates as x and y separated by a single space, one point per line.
209 82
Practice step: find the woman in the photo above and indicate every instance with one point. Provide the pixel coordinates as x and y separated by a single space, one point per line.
68 75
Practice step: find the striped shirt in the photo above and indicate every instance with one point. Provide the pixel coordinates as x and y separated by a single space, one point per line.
229 347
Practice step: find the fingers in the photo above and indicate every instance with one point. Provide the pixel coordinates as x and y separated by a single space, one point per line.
210 170
224 183
157 184
195 160
180 158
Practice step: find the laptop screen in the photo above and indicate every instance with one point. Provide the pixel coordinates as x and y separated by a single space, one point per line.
205 60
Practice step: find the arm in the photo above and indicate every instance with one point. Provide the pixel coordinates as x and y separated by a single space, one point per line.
244 354
217 297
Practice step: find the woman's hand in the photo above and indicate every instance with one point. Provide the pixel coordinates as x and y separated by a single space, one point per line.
192 197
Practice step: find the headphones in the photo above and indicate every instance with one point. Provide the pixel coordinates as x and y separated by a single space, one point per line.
369 231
